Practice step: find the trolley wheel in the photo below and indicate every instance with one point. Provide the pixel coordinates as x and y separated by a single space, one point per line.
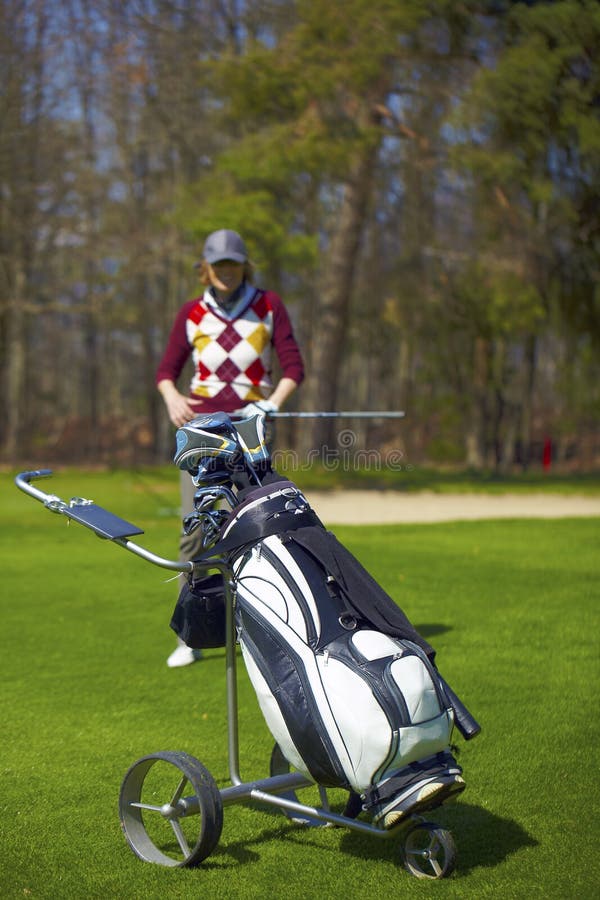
429 851
159 817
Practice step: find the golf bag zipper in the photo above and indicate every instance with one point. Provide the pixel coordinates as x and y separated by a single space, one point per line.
385 698
433 673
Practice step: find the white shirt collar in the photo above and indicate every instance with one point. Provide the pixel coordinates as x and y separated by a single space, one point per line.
246 296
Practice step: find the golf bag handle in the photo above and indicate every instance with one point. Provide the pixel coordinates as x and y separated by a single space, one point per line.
468 726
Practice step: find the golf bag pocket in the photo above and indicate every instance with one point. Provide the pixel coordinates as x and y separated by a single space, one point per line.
347 706
199 616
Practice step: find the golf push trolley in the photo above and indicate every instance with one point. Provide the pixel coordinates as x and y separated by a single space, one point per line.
170 806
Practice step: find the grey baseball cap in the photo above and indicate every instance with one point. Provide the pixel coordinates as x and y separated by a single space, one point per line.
224 244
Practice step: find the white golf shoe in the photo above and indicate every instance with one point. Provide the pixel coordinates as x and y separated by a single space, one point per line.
183 655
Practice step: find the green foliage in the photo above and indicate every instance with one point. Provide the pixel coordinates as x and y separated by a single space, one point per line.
533 113
300 109
495 301
257 216
480 225
528 137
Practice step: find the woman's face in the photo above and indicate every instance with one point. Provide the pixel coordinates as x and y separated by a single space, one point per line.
226 276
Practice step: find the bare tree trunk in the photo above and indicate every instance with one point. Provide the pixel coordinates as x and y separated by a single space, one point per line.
21 149
401 398
509 438
475 433
15 369
527 397
329 343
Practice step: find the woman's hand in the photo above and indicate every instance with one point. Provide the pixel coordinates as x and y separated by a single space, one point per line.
179 407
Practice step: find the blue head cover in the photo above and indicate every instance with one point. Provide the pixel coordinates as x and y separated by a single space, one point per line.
205 438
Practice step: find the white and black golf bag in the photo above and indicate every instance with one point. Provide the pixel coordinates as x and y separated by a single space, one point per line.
346 685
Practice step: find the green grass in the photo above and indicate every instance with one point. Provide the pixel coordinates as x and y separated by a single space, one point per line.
512 608
154 483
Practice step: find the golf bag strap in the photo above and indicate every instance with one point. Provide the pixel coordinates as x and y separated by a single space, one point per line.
253 529
365 597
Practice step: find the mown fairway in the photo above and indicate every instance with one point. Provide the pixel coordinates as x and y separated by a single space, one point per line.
512 608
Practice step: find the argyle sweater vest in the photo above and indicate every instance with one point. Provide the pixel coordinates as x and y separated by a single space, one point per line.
232 357
231 350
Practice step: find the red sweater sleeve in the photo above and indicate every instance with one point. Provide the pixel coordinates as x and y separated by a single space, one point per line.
284 342
178 349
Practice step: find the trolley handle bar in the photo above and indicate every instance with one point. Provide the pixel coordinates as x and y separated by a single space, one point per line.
108 526
23 482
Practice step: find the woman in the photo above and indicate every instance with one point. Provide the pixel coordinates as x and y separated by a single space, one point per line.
230 332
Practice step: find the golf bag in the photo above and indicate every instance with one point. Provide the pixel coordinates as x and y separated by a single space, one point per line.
347 686
348 705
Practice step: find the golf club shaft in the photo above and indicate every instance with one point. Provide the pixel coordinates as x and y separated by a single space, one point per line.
344 414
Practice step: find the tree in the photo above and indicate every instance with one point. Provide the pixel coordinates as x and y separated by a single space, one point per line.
313 113
419 181
532 149
33 186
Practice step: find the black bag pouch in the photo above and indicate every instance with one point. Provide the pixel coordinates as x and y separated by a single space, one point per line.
199 616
